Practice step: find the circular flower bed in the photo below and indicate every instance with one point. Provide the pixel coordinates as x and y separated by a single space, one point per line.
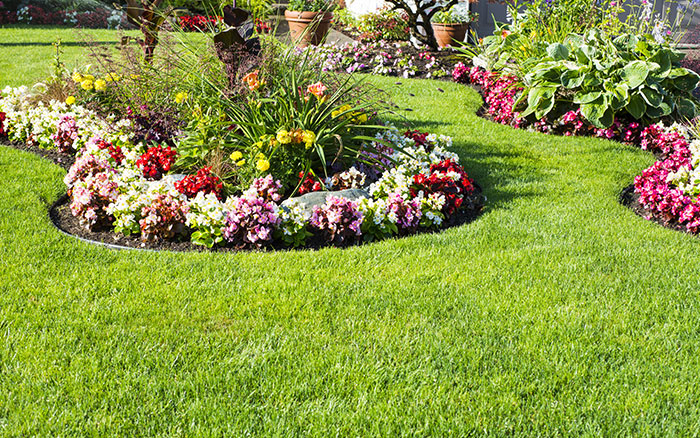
122 190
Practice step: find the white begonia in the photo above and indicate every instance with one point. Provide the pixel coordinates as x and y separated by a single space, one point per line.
292 217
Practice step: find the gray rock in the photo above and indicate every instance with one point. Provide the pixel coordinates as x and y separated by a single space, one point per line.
309 200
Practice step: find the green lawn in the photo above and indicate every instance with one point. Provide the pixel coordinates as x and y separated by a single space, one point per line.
557 312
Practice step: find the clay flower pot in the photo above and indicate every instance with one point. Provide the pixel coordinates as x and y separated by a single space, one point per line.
308 27
447 34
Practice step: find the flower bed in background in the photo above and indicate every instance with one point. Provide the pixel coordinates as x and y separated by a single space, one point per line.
95 19
384 58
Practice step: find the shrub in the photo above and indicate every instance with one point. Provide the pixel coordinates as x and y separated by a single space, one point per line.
628 77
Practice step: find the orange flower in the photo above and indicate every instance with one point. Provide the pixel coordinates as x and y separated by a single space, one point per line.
316 89
297 136
505 33
252 80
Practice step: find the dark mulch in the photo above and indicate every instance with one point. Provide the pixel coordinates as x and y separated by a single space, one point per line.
63 219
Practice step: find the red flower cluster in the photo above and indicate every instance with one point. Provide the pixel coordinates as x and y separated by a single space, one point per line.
310 184
114 151
500 93
421 138
262 26
156 161
447 178
2 124
204 181
197 23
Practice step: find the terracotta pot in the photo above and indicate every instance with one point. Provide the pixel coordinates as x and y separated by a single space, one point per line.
446 33
308 27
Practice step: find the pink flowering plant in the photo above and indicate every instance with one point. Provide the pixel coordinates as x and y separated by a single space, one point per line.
339 221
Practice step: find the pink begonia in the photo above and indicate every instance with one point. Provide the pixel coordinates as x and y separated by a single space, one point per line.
406 213
90 198
500 94
66 134
267 188
339 218
251 219
86 165
164 217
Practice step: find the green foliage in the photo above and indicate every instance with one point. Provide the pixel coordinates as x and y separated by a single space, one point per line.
455 15
385 24
309 5
629 76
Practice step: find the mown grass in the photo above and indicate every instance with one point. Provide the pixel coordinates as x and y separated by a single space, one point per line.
557 312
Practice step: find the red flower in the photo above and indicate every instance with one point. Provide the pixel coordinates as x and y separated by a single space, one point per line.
156 161
447 178
203 181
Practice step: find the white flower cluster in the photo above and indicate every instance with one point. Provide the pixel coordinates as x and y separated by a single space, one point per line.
136 195
206 215
688 179
34 123
375 211
293 219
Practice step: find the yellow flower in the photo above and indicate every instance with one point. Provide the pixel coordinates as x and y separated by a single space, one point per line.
284 137
180 97
236 155
87 84
89 77
309 138
263 165
361 118
100 85
77 77
341 110
240 163
70 100
260 156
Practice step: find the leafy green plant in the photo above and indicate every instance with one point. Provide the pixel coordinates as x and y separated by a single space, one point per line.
628 76
308 5
457 14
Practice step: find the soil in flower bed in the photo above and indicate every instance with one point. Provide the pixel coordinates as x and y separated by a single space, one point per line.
630 199
62 217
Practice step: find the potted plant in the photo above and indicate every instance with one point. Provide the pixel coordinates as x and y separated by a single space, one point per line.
309 21
451 25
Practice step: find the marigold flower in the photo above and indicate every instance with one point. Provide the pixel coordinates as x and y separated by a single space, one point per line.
100 85
262 165
70 100
236 155
360 118
317 89
240 163
284 137
180 97
87 84
77 77
308 137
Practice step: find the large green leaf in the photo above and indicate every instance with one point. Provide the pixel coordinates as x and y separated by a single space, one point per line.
636 106
686 108
651 97
581 97
558 51
684 82
571 79
663 58
598 113
662 110
635 73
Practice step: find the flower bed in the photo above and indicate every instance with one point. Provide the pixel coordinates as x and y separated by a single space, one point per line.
667 192
385 58
121 191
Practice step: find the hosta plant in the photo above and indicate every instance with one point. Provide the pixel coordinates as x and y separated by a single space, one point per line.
628 77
